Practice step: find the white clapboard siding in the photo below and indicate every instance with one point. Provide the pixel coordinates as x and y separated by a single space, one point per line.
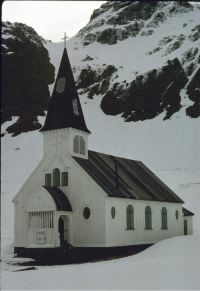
21 200
189 220
84 192
116 229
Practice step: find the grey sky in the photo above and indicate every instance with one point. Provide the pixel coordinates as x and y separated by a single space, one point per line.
51 19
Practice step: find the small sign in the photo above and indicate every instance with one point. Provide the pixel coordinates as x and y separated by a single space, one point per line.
41 237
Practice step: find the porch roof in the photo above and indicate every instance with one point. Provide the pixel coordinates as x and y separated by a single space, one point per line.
187 212
59 197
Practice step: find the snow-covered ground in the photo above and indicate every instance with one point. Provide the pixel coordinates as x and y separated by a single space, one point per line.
171 264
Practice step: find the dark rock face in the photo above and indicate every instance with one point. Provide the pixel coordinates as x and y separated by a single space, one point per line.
154 92
193 91
27 72
148 95
129 18
24 125
95 82
87 77
195 35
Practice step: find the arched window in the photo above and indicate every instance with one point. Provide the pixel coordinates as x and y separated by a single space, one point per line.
164 218
82 145
148 218
76 144
79 145
113 212
48 179
56 177
176 214
130 217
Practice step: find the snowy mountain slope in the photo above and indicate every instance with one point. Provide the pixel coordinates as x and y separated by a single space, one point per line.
172 264
170 148
138 56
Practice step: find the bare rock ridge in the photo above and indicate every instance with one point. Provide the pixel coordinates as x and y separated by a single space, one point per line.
148 95
159 89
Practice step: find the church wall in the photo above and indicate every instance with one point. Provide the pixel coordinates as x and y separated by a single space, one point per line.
59 142
19 226
189 220
116 229
84 192
21 200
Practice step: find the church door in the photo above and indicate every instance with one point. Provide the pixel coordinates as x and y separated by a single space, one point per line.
61 231
185 227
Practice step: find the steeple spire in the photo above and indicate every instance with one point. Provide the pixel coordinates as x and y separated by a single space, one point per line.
64 108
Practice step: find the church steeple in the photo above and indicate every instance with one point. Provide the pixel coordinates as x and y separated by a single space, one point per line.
65 109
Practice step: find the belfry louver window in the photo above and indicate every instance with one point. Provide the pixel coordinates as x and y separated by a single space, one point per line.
79 145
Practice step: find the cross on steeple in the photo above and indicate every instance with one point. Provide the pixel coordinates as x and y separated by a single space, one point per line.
65 38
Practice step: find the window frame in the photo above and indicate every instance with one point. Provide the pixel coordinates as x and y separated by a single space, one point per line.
64 175
164 222
40 220
56 175
148 218
176 214
46 182
130 217
113 212
79 145
76 144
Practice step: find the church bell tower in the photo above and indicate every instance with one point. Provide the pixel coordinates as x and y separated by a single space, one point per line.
65 130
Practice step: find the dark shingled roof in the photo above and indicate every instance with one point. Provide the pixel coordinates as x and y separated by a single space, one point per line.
187 212
64 109
60 199
134 179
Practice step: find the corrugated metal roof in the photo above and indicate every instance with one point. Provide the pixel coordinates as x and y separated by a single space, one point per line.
60 199
134 179
187 212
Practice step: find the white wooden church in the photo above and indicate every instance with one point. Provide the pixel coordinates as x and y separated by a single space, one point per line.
87 199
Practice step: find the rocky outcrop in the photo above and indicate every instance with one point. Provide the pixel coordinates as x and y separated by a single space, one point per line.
193 91
27 72
154 92
95 82
148 95
129 19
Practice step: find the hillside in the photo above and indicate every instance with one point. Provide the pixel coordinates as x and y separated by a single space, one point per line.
142 58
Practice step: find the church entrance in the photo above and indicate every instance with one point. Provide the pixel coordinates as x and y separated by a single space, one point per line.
185 227
63 230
